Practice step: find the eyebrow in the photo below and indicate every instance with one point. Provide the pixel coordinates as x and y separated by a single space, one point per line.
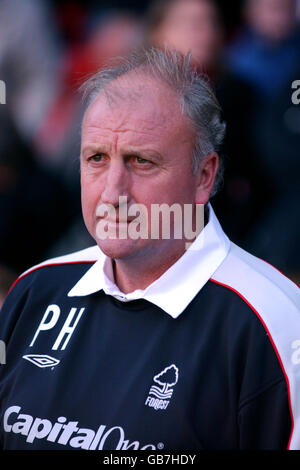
99 148
150 153
94 148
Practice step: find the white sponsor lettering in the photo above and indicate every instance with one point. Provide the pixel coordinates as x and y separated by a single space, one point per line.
68 433
56 429
8 412
40 428
83 440
23 425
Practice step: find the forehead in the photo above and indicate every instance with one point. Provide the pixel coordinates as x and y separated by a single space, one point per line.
136 103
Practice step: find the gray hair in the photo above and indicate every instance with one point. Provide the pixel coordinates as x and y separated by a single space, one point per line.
197 99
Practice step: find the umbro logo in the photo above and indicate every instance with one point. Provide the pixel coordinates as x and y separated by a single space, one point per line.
41 360
162 393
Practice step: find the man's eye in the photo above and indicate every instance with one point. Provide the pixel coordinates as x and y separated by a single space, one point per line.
96 158
142 160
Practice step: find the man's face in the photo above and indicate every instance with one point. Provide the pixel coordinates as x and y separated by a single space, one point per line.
137 144
274 19
192 25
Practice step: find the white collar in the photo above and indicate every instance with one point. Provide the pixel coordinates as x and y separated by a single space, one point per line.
177 286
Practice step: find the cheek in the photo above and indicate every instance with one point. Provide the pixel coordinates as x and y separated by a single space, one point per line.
165 190
89 199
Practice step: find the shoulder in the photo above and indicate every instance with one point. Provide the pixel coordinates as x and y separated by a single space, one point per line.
256 282
272 297
275 302
47 280
75 262
269 295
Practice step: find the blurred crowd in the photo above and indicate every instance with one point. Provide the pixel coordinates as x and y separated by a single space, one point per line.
48 48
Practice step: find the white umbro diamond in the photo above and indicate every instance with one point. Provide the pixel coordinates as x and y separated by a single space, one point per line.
41 360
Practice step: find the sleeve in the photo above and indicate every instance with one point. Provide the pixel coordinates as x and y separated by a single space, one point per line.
12 308
9 314
264 414
264 419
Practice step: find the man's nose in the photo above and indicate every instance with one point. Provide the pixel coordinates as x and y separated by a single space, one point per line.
116 184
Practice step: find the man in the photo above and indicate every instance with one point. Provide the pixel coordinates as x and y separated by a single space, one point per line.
151 342
266 46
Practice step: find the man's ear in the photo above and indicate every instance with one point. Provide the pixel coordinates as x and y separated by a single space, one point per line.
206 176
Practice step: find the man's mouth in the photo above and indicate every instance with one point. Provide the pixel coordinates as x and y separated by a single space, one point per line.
117 220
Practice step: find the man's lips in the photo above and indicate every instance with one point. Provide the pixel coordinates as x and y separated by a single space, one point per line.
116 220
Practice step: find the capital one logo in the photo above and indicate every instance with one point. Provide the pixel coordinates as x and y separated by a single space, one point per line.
69 433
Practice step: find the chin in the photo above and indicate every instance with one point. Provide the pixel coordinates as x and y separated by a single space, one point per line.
118 249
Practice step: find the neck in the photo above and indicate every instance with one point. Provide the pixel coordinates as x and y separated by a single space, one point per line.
131 275
143 269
